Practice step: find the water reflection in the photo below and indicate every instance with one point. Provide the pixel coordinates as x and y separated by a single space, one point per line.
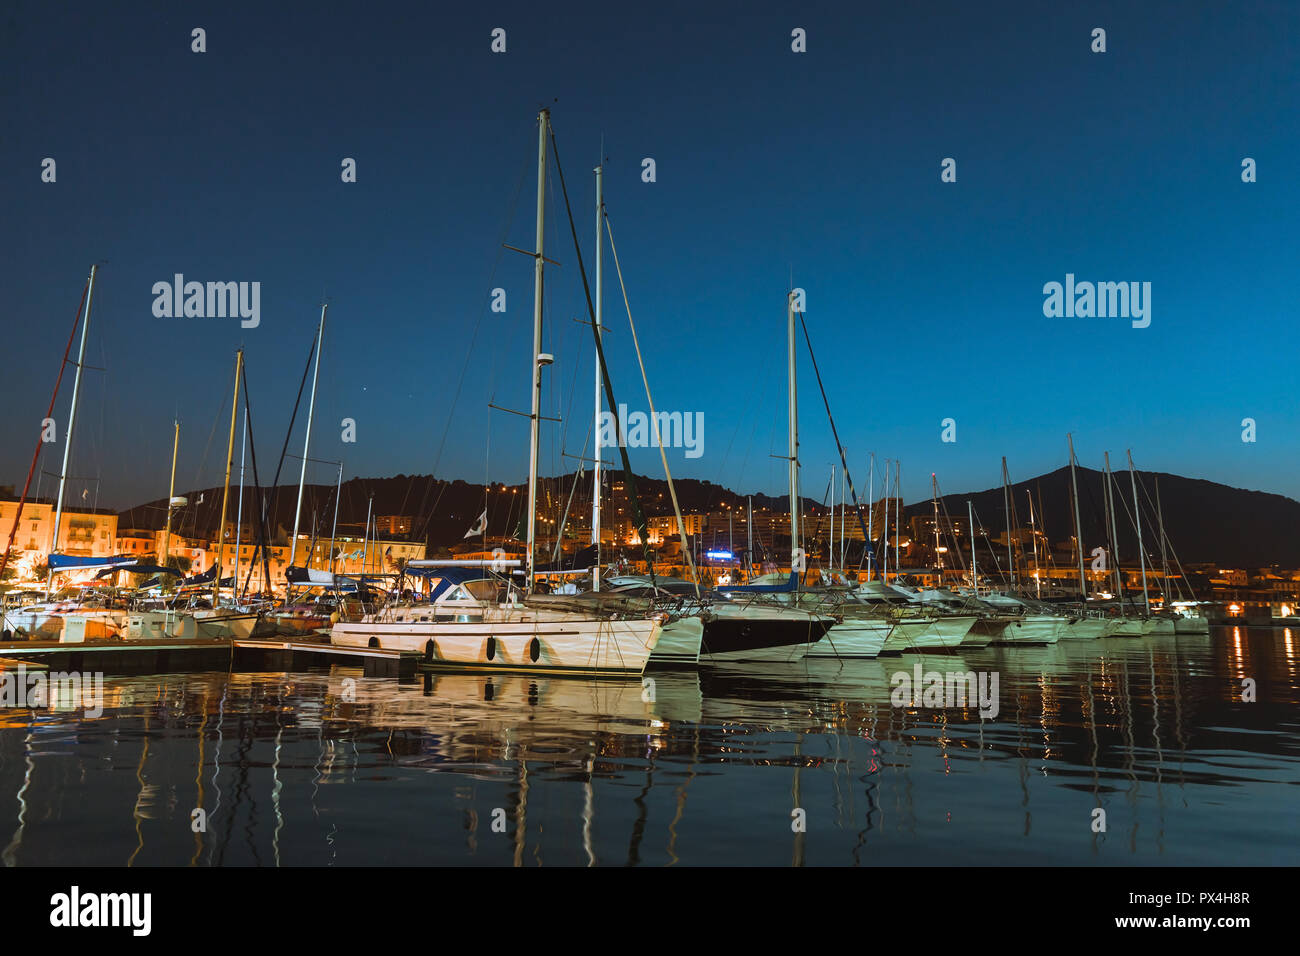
331 768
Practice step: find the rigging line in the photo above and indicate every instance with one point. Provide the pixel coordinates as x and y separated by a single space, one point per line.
274 490
559 535
263 538
4 558
628 475
663 455
857 506
451 413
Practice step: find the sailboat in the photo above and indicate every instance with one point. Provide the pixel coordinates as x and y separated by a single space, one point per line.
475 617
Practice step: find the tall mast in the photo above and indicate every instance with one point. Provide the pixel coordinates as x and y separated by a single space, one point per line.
1137 521
225 493
830 545
1114 538
1078 531
1033 532
749 528
1164 555
898 512
600 301
239 512
871 509
1006 503
171 493
884 485
970 518
795 557
934 498
72 420
543 127
338 493
844 478
306 442
365 535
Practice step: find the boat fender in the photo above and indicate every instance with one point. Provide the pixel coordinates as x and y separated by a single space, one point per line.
535 649
491 648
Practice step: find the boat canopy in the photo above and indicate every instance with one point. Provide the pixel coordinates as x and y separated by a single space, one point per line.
316 578
67 562
790 585
139 569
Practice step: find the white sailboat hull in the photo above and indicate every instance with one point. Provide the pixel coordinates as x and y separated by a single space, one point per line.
1032 629
1084 629
528 641
1191 625
679 643
852 639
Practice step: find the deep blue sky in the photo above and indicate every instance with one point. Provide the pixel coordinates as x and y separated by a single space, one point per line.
924 298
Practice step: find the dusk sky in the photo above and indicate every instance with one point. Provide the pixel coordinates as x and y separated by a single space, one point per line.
924 298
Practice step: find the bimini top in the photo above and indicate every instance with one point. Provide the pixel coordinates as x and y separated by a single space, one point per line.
446 578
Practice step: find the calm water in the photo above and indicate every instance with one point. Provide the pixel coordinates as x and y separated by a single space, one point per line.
292 772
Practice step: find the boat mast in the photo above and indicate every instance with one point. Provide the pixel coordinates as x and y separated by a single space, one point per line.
749 527
796 557
1137 521
1164 555
72 420
970 518
225 494
543 127
843 513
1078 531
871 512
239 512
600 301
885 516
898 512
338 493
1114 538
1006 503
171 494
365 535
830 544
934 498
306 442
1033 532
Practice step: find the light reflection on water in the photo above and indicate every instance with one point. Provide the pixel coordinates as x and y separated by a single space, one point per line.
291 772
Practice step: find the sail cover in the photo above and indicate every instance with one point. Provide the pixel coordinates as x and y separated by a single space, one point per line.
313 577
67 562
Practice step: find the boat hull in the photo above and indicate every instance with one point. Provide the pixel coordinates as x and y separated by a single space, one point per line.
1084 629
679 644
851 639
745 633
574 646
1032 629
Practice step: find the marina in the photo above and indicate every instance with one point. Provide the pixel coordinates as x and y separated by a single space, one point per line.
649 439
290 764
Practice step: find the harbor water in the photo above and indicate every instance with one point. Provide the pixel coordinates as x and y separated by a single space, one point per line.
1187 743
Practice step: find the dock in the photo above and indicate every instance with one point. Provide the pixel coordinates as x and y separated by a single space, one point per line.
220 654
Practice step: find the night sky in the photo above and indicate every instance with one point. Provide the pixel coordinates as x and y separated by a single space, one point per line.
924 298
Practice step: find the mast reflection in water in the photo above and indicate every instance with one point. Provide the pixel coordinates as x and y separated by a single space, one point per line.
330 768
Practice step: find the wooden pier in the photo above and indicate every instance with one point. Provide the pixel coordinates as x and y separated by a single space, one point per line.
181 656
276 655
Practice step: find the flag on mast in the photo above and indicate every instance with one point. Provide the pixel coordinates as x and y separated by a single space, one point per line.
479 526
